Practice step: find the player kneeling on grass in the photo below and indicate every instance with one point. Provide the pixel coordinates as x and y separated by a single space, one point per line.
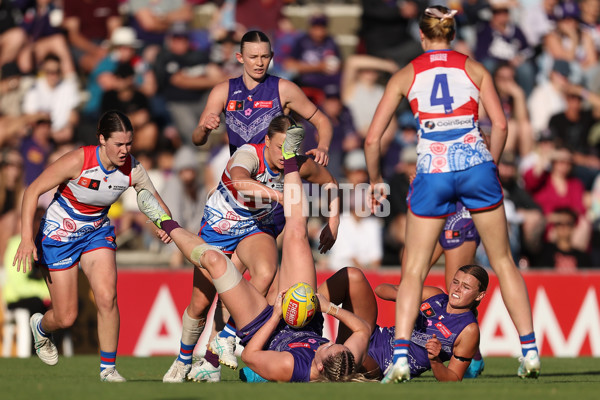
272 348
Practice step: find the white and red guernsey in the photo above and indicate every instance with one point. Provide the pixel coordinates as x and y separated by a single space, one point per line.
229 211
81 205
444 100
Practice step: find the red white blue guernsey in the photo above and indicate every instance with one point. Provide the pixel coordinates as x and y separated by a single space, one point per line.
230 216
444 100
81 205
249 112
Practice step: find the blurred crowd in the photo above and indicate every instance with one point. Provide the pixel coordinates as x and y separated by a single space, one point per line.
65 62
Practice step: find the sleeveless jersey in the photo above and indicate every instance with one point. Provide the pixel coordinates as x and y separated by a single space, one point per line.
249 112
229 212
81 205
444 100
432 319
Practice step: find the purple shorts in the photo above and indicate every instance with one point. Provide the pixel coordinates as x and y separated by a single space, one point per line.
459 228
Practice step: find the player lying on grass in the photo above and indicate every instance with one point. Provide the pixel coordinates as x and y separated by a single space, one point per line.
446 329
273 349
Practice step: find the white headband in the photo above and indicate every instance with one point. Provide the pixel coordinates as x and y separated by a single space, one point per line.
435 13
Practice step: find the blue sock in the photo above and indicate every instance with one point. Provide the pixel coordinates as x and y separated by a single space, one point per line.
528 343
107 360
40 329
185 353
400 349
229 329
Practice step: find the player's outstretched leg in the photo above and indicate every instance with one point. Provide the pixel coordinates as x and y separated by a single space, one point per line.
148 204
45 349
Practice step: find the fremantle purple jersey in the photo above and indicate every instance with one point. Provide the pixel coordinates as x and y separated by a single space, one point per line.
249 112
433 319
300 343
459 228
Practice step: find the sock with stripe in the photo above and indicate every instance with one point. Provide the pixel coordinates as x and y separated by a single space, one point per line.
229 329
192 329
41 330
528 343
400 349
107 359
185 353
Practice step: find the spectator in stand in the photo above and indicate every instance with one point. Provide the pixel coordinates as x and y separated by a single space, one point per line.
589 19
360 242
595 216
151 19
571 128
36 148
13 123
185 194
559 253
501 41
11 194
553 187
283 41
345 137
526 235
42 20
514 102
185 77
261 15
385 29
549 97
537 20
315 59
133 103
88 24
571 43
363 87
12 36
56 93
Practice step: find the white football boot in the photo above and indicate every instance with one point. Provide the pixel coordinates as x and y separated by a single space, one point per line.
203 371
225 349
530 365
397 372
177 373
111 375
45 349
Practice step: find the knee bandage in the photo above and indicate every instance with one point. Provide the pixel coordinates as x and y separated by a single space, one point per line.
229 279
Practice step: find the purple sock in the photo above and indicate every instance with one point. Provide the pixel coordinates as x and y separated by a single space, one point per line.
169 225
290 165
212 358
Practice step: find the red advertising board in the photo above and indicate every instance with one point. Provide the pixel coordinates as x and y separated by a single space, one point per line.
565 310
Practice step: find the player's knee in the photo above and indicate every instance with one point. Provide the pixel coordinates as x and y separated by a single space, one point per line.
65 319
106 301
295 231
262 277
355 275
211 258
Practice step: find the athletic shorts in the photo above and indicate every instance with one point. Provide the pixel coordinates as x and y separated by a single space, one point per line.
459 228
435 195
228 241
56 255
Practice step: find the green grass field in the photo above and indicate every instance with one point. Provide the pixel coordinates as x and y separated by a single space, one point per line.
77 378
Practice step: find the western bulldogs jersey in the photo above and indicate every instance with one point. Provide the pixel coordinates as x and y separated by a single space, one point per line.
444 100
249 112
432 319
229 212
81 205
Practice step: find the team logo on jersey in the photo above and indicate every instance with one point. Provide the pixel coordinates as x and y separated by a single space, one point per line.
235 105
298 344
443 329
263 104
427 311
429 125
93 184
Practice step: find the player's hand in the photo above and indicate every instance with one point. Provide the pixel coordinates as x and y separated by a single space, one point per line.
162 235
321 155
328 237
377 193
26 254
212 121
278 305
433 347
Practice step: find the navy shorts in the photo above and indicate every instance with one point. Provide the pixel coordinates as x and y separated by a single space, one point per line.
435 195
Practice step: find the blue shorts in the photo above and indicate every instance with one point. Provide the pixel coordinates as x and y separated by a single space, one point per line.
228 242
435 195
56 255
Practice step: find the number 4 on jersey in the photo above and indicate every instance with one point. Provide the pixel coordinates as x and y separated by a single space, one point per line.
440 94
